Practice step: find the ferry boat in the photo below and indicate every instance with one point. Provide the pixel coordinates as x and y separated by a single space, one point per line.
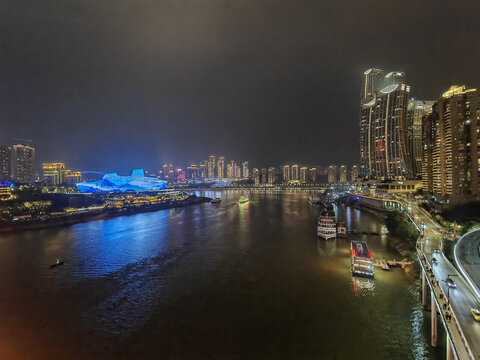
327 227
361 263
243 199
341 229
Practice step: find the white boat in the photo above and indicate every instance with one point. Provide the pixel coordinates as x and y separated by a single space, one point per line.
216 200
327 226
341 229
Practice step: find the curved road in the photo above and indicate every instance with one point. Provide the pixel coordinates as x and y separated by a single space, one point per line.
462 300
467 256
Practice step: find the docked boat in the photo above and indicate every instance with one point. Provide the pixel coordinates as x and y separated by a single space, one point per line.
216 201
341 229
327 226
243 199
58 262
361 263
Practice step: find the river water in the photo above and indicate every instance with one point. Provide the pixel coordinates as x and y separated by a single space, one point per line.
223 281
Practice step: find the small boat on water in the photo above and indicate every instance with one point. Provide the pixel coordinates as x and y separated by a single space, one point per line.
58 262
216 201
341 229
243 199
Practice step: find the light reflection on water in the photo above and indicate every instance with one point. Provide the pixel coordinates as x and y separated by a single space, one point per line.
214 274
106 246
362 287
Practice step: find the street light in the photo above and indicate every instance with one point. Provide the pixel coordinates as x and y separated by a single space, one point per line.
448 288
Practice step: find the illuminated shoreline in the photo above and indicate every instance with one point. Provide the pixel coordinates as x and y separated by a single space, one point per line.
98 214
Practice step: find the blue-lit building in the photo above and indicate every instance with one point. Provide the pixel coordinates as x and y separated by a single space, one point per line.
115 183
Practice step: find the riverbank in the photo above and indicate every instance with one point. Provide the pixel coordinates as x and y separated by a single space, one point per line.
99 214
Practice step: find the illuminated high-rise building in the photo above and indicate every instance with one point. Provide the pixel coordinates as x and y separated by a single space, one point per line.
286 173
164 172
383 126
303 174
417 110
264 176
256 176
394 78
23 164
221 167
211 167
230 170
203 170
238 171
295 173
313 174
373 81
192 172
5 162
179 175
72 177
245 170
342 174
271 175
355 172
235 172
332 174
53 173
451 138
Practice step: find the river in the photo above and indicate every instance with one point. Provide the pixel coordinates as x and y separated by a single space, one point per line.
210 281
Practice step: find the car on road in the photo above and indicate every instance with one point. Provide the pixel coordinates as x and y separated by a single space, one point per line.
434 261
436 251
476 314
451 283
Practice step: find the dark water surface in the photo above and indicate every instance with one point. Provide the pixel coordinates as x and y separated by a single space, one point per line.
224 281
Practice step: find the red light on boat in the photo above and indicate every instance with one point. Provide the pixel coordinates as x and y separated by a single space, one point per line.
354 252
369 254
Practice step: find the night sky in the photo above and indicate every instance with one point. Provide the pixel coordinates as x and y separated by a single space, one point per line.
122 84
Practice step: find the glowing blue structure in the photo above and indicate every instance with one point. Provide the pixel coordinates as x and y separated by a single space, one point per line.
223 183
115 183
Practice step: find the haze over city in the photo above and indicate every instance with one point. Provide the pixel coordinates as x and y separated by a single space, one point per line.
126 84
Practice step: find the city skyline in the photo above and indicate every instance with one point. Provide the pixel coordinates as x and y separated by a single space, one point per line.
208 79
211 165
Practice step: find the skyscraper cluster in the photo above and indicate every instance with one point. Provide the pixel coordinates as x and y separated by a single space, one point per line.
339 174
217 168
56 174
296 173
403 138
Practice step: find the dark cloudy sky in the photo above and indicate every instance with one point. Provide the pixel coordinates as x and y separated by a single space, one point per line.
120 84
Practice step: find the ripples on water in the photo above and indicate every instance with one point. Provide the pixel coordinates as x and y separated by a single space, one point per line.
208 279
